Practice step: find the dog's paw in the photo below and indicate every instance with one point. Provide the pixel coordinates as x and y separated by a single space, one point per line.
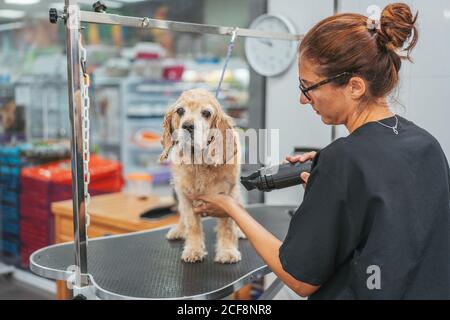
175 233
232 255
193 254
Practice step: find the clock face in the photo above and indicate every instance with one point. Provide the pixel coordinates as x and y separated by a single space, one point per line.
271 57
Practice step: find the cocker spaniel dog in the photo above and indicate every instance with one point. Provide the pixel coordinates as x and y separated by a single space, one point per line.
205 154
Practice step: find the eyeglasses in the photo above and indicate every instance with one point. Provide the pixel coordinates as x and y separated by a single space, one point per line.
321 83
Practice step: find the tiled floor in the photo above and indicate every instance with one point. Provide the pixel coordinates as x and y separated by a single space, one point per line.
11 289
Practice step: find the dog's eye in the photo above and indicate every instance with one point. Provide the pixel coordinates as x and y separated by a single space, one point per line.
180 111
206 113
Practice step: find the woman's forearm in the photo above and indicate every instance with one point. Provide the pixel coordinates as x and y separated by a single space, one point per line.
268 247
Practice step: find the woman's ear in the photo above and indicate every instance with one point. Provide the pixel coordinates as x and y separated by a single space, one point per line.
357 87
166 140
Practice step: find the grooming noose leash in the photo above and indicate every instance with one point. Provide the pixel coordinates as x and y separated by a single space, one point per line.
227 58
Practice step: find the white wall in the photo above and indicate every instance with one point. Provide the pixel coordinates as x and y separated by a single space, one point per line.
424 88
298 125
425 84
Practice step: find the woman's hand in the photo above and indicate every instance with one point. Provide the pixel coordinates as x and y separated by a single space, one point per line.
302 158
215 205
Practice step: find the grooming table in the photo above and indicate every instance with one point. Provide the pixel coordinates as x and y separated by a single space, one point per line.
144 265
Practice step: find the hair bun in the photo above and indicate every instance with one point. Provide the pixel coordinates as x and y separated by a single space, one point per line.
397 26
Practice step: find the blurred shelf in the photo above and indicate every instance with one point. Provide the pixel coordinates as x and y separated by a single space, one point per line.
156 148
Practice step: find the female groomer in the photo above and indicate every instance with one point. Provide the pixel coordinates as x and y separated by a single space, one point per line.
377 202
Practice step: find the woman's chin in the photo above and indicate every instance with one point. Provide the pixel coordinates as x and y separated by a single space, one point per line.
325 120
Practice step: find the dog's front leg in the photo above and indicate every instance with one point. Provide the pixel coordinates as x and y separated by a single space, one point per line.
177 231
194 245
227 241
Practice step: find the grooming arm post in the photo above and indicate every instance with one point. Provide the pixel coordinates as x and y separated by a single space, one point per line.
136 22
75 111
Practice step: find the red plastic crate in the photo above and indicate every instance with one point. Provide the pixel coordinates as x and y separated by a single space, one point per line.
25 253
36 230
60 171
44 184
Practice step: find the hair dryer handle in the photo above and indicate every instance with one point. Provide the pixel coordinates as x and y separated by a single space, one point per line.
288 174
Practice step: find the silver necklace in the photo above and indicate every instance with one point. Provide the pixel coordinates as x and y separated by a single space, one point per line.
394 128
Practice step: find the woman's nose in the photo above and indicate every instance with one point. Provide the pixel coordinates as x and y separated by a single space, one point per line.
304 99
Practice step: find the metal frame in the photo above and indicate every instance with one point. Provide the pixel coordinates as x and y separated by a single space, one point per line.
73 18
74 86
136 22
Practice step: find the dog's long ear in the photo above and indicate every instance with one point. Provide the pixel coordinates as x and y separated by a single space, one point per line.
225 125
166 140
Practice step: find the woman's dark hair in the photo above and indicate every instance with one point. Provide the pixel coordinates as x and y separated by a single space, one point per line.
346 42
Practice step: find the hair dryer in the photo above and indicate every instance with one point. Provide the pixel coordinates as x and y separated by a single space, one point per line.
276 177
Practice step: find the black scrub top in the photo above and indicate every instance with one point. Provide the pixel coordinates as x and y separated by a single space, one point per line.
374 222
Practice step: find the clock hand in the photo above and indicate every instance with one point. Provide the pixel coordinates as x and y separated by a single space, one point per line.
267 42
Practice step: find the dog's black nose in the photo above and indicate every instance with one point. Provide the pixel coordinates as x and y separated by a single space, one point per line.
189 126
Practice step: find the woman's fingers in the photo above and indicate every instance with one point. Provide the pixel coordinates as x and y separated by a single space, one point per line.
309 155
214 205
204 208
293 159
201 211
302 157
304 176
206 213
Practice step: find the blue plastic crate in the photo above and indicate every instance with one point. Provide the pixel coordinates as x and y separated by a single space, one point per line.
7 221
4 177
9 151
14 156
10 227
9 197
13 161
10 170
10 155
10 213
9 181
10 176
10 237
12 184
10 247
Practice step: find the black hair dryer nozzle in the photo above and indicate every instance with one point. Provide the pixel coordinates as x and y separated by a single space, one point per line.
276 177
